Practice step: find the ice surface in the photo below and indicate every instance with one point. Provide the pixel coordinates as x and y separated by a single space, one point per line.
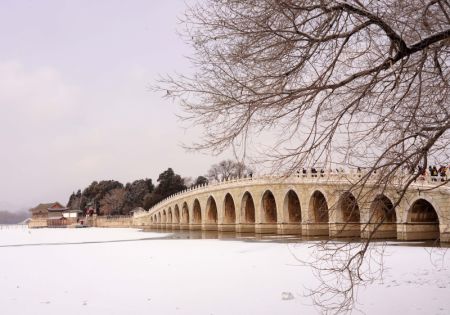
123 271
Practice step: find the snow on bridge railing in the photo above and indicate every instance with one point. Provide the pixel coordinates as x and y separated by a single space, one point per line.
307 175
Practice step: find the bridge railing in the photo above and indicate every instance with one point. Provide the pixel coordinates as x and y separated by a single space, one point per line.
307 176
115 216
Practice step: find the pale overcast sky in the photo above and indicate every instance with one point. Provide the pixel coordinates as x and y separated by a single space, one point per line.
74 99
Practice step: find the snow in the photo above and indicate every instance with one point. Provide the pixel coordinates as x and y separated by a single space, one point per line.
24 236
126 271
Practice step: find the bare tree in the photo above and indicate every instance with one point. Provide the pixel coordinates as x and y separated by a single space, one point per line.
349 78
356 83
112 202
228 169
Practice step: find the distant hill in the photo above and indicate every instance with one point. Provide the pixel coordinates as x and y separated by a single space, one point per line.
7 217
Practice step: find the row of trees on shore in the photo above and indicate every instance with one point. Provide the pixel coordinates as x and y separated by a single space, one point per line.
111 197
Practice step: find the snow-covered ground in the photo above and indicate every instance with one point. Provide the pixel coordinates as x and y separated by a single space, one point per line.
125 271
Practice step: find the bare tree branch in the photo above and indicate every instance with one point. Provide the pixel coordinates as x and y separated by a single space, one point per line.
356 83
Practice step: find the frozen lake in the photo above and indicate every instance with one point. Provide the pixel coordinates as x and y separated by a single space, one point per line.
126 271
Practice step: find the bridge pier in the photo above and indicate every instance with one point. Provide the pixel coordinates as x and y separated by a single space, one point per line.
290 228
345 230
445 237
386 230
266 228
315 229
417 231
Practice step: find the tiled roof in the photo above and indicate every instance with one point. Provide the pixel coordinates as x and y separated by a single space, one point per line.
45 207
42 207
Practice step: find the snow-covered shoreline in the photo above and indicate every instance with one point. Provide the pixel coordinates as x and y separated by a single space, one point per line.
25 236
103 271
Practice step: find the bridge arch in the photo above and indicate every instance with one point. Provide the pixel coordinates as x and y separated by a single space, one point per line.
159 217
229 214
184 215
292 208
424 216
196 212
169 216
269 207
175 215
185 212
422 211
318 208
348 209
381 218
382 208
211 211
164 216
247 209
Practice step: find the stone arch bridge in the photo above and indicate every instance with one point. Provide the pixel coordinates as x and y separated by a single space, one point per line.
307 204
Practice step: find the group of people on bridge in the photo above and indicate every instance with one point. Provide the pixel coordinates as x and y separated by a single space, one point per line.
434 171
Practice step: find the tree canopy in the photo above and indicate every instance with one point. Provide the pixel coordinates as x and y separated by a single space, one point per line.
168 183
135 193
112 197
200 180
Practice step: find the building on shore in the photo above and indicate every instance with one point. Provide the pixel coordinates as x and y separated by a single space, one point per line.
53 215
